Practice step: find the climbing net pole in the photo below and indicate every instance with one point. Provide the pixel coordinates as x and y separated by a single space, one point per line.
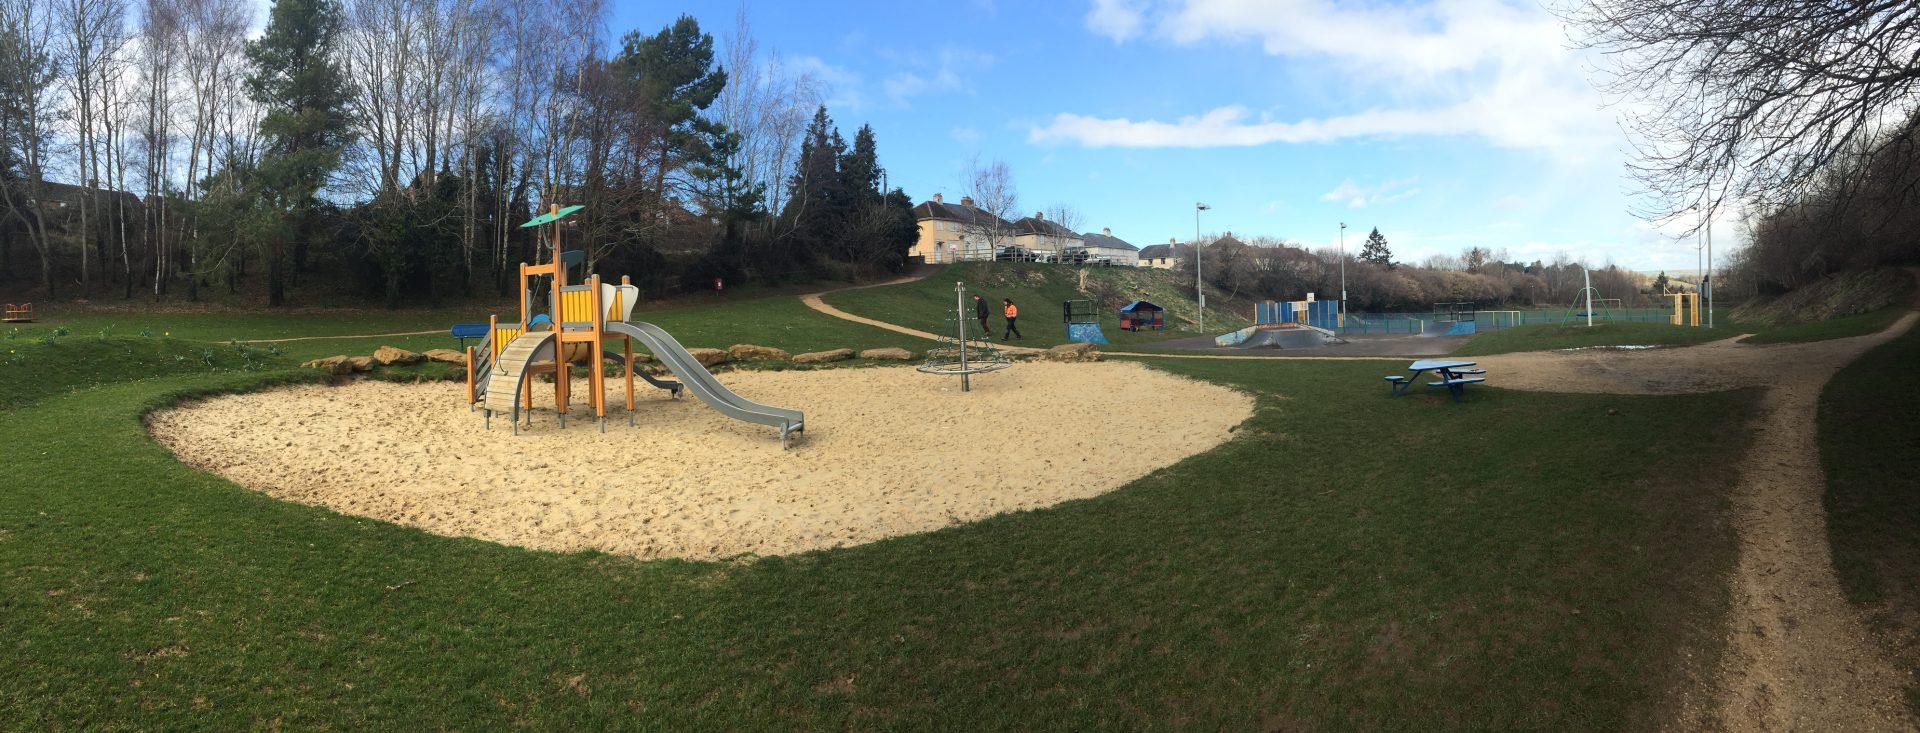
957 361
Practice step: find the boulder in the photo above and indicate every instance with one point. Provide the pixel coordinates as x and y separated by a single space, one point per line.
821 357
888 354
391 355
751 352
330 365
1080 351
360 363
710 357
445 356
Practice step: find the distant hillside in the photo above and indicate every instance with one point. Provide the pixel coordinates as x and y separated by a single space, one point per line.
1842 294
1039 290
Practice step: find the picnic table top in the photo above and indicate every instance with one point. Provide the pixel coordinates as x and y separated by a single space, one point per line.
1427 364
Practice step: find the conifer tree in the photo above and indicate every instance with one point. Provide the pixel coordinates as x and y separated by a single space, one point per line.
1375 250
298 82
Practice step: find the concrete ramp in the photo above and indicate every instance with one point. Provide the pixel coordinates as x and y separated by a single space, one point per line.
1277 337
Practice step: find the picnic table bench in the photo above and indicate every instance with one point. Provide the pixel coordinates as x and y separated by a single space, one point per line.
1454 375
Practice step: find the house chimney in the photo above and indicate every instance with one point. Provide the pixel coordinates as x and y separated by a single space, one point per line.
1173 240
936 198
966 200
1106 231
1041 215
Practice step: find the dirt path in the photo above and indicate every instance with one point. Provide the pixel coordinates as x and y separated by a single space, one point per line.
348 336
1798 655
813 301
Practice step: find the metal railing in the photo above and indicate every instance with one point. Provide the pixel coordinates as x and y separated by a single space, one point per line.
1486 320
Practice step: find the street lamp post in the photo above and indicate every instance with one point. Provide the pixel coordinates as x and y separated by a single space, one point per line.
1199 286
1343 268
1706 280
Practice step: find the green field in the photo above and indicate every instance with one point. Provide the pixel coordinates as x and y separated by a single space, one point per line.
1869 420
1859 324
1349 561
1547 337
779 320
1039 290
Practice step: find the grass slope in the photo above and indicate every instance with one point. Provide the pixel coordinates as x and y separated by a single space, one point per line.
1558 336
1870 446
1468 567
1858 324
779 320
1039 290
50 364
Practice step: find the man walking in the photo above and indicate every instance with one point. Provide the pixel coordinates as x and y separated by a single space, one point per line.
1013 316
980 312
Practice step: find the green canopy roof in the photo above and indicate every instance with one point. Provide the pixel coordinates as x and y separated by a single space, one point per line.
551 217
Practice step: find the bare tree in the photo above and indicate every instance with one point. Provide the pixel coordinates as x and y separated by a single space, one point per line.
159 36
1749 101
992 191
212 37
767 106
27 69
89 30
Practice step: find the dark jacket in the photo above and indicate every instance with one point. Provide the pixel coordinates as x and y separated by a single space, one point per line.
980 308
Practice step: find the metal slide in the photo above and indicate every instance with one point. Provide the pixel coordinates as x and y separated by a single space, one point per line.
697 378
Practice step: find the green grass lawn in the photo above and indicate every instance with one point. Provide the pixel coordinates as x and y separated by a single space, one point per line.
1557 336
772 319
1858 324
1545 337
1870 448
1039 290
1348 561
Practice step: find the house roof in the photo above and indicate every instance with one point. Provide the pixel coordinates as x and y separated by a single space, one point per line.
970 215
1037 225
1156 251
1104 241
1137 305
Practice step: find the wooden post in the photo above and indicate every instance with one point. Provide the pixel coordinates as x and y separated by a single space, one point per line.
598 379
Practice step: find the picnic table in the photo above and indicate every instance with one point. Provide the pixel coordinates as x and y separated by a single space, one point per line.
1454 374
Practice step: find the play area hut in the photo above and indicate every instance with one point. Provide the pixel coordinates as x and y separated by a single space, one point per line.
1141 315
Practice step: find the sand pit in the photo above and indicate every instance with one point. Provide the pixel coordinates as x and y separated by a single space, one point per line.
888 451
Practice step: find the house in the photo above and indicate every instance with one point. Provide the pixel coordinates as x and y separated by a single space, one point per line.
1165 256
1111 248
1162 256
1040 236
957 232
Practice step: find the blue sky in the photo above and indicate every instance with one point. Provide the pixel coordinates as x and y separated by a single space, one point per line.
1445 124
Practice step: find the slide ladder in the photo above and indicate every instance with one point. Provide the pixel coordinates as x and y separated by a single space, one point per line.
696 377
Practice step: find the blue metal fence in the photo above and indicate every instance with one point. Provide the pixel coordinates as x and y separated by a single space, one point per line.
1491 319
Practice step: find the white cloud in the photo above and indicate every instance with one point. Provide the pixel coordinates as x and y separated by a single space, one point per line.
1482 68
951 70
842 86
966 135
1355 196
1119 20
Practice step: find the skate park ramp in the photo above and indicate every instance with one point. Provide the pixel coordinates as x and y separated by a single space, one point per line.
1277 337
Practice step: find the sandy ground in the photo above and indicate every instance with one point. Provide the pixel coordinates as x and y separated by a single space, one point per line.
1799 656
888 451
